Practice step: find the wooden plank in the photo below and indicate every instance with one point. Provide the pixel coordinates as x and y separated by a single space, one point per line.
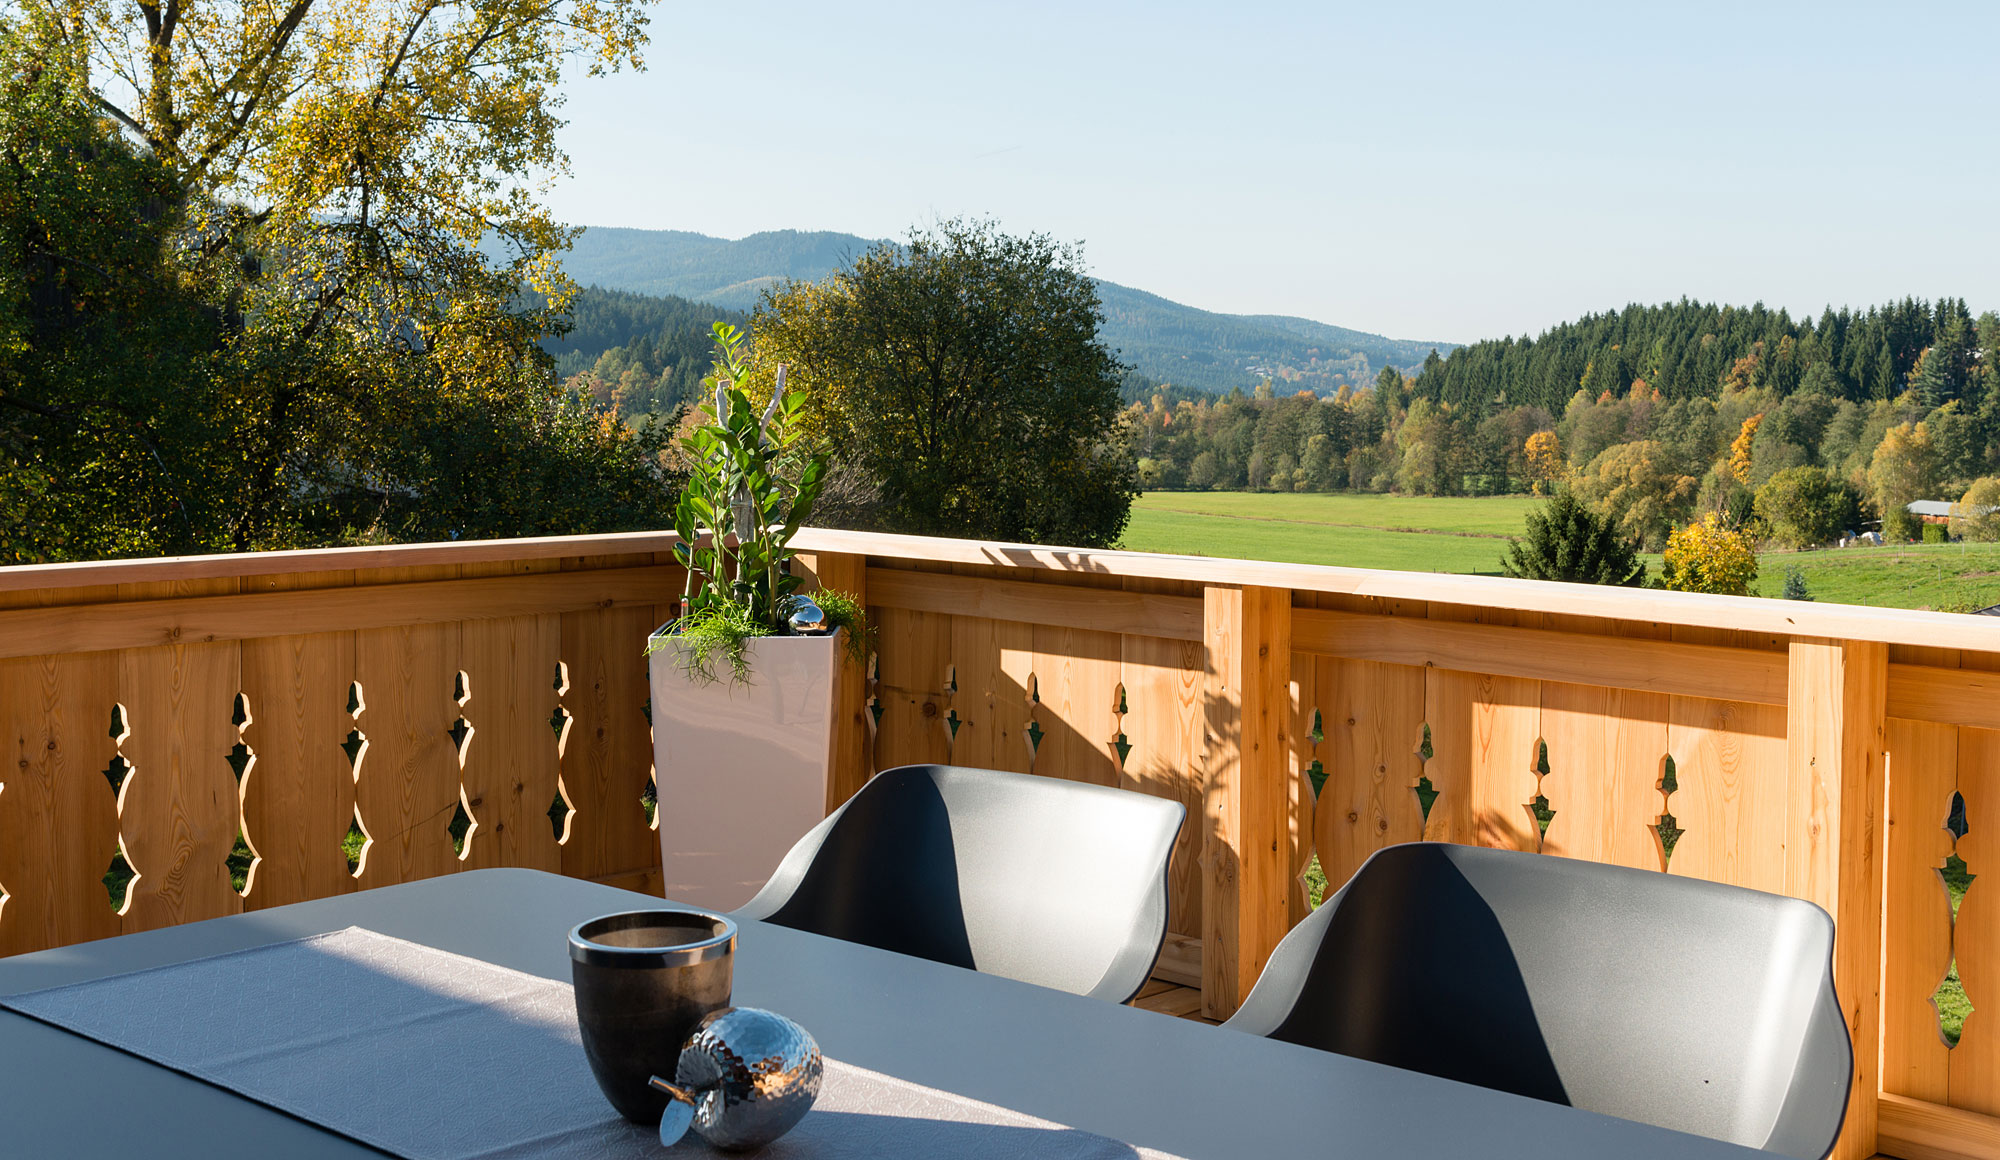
1163 723
1605 750
608 760
1248 758
1731 805
1373 718
406 790
298 795
252 565
1616 661
1180 960
914 654
1951 696
58 817
1179 1002
991 660
1057 605
179 813
852 761
200 619
1916 919
1834 770
1483 729
511 765
1914 1129
1506 723
1076 673
1975 1062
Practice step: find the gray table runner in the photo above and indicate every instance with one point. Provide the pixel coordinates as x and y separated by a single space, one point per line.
435 1056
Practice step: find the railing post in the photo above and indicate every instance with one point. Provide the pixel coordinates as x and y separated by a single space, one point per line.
1836 705
850 764
1246 782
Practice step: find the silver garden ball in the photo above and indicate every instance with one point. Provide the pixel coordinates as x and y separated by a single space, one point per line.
807 618
746 1077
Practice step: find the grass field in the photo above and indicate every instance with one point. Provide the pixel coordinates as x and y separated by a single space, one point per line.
1411 533
1455 534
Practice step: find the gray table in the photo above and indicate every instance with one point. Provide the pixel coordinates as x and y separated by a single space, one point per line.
1144 1078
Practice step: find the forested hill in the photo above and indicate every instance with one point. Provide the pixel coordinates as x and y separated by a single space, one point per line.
1164 341
1688 349
651 351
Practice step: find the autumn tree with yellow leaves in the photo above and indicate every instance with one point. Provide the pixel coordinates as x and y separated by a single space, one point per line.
1707 556
1545 461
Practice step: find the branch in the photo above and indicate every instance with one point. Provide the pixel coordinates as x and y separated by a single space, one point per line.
122 118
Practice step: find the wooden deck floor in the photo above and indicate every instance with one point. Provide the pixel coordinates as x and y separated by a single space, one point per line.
1171 999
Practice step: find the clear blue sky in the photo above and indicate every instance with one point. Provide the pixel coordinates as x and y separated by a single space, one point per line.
1427 170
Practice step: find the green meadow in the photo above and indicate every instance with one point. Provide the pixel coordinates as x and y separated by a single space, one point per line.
1469 535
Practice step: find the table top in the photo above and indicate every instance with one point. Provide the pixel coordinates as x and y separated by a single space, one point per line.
1148 1079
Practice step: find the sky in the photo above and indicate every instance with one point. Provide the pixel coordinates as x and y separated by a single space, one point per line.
1432 171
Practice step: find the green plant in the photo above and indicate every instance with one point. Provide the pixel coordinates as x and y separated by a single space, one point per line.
1795 585
750 486
1568 541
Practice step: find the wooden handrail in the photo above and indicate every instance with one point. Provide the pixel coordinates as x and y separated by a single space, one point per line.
1776 618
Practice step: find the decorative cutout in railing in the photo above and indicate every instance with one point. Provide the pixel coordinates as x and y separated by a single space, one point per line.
243 856
355 844
1427 794
1667 830
119 874
1538 807
560 720
1950 1000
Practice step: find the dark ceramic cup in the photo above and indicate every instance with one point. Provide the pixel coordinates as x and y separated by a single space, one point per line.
643 980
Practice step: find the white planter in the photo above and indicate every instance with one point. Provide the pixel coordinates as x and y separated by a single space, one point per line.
741 769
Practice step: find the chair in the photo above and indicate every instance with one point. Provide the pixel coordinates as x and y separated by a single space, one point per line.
1051 882
1704 1008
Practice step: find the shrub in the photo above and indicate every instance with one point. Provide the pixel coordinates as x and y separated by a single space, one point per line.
1709 557
1567 541
1935 534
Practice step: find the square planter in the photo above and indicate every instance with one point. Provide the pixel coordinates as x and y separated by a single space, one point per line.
741 769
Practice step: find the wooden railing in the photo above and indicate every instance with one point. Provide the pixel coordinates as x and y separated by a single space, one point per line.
1834 753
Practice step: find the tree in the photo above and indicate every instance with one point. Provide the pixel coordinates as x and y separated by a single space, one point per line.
1636 487
962 372
307 185
1977 515
1741 459
1565 540
1805 507
1205 472
1902 470
1706 556
1545 460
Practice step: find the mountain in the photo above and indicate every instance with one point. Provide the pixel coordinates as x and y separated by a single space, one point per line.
723 273
1162 340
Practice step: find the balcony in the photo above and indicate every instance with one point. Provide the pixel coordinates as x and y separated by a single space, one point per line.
317 723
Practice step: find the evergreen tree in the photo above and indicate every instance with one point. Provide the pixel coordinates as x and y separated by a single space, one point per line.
1568 541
